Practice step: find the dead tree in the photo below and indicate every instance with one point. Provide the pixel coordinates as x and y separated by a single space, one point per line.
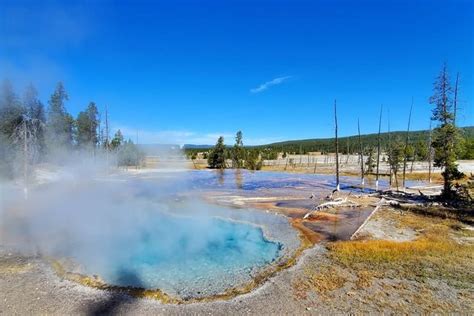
406 145
107 138
25 135
378 150
455 101
337 147
430 153
361 155
389 149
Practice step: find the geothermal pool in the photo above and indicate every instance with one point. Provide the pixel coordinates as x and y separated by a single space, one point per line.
152 231
199 255
163 230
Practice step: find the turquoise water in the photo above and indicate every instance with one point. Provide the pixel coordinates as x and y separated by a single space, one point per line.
182 255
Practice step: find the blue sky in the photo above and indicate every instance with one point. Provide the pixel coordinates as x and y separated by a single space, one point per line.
189 71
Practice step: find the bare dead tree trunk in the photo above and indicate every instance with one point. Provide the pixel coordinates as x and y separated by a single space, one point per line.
337 147
107 139
25 159
361 155
430 154
139 157
455 98
406 145
389 149
378 150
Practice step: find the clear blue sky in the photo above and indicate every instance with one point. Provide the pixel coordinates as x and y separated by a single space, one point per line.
188 71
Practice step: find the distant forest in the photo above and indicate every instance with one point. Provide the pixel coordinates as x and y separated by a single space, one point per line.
349 144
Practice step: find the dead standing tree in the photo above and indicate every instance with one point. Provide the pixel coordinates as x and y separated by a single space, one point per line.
455 101
430 153
337 148
361 155
26 135
407 138
378 151
107 142
389 148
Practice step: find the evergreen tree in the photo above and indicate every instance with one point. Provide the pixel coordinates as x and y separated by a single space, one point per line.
370 163
129 154
87 127
238 151
60 124
11 109
216 159
11 117
396 158
421 151
117 141
252 160
446 135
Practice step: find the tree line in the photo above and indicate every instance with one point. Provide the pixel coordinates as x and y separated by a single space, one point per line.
440 146
240 157
31 132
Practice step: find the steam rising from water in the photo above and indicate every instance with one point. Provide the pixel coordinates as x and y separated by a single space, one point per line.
132 230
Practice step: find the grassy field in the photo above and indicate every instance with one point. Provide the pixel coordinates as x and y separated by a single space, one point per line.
435 270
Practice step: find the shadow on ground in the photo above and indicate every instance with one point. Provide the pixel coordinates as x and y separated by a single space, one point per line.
112 304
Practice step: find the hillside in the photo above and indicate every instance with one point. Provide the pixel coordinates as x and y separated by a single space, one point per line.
348 143
351 142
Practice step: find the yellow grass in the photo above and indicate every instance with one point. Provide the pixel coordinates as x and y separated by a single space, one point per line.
435 254
323 281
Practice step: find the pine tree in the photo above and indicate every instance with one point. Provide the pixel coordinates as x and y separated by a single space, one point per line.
370 163
60 124
87 124
238 151
117 141
129 154
12 114
216 159
446 135
396 158
11 109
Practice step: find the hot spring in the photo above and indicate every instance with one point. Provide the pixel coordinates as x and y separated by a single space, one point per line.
152 232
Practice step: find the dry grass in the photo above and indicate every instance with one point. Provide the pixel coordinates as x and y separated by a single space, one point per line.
323 282
435 254
365 278
391 275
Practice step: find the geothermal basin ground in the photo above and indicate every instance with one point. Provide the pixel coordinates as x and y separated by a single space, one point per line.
232 241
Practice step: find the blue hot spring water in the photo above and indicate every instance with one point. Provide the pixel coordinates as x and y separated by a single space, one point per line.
187 256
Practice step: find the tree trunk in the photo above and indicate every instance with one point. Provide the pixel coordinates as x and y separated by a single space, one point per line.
361 155
337 147
430 154
25 160
389 151
406 145
455 103
378 150
106 139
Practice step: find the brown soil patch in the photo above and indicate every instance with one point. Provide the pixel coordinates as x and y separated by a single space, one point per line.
312 236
